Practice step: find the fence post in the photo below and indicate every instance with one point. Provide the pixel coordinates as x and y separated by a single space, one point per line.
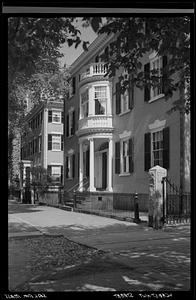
136 209
164 199
155 212
74 197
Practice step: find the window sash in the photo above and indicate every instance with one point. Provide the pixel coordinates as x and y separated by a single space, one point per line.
125 101
125 156
56 142
156 64
157 148
56 116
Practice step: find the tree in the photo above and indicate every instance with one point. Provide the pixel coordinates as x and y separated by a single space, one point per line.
33 68
136 36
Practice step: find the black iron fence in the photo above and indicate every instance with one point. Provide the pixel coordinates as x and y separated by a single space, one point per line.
176 203
103 205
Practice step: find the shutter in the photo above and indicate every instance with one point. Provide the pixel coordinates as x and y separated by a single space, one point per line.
61 174
117 158
147 76
131 155
166 148
87 162
147 151
49 116
49 141
66 167
73 122
131 95
73 85
164 75
118 98
73 165
67 129
78 164
62 141
62 117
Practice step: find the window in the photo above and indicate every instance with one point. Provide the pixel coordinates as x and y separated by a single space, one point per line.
156 149
155 68
56 173
70 166
72 88
100 97
71 123
124 101
124 156
55 142
84 104
55 116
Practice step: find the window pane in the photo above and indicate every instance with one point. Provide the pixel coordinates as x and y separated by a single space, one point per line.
56 116
56 142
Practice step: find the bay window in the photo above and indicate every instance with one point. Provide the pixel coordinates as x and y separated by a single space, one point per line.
100 98
84 104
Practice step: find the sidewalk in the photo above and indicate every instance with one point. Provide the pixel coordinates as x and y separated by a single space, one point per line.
130 257
96 231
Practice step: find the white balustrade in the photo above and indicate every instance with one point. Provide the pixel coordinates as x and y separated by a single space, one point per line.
95 122
93 70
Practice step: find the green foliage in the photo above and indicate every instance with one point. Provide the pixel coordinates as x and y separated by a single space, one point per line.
136 36
40 179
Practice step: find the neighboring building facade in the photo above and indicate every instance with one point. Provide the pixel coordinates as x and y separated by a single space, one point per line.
42 143
114 139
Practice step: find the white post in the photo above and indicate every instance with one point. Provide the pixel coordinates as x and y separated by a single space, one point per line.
110 158
81 168
92 165
155 212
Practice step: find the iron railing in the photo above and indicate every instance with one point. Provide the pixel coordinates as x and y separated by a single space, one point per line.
176 203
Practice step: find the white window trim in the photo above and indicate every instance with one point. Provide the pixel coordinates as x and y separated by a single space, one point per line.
157 125
153 131
122 173
107 96
86 102
57 110
152 57
56 150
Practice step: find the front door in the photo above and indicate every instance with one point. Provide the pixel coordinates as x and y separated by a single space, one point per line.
104 170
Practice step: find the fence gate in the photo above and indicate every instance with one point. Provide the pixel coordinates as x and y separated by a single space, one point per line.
176 204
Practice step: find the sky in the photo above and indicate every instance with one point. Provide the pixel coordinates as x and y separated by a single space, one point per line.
70 53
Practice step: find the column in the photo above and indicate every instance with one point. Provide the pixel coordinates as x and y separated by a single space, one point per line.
92 166
110 158
81 168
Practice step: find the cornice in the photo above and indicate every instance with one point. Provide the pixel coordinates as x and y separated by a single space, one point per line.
90 131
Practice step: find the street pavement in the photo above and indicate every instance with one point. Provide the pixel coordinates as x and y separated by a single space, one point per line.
135 257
